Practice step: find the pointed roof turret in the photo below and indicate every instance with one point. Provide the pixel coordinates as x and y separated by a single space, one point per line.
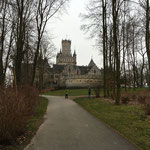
74 54
91 64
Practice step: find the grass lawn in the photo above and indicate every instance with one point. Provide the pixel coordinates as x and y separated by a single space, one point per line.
33 126
130 121
81 92
36 120
71 92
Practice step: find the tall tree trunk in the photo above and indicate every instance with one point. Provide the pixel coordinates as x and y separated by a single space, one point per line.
116 50
35 61
20 41
133 53
148 35
9 50
2 77
104 45
124 52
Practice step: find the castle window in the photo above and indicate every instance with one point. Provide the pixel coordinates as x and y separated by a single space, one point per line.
94 71
77 72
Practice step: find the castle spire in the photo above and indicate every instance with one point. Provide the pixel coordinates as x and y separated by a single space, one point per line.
74 54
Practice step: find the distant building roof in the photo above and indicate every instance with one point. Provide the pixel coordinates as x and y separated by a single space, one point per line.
91 64
42 61
84 69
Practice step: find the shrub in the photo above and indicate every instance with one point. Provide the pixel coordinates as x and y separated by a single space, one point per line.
97 92
16 109
133 97
147 106
128 97
47 90
144 99
141 99
125 99
113 96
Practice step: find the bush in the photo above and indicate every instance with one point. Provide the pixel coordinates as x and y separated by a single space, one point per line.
113 96
16 108
47 90
97 92
141 99
125 99
128 97
133 97
147 107
144 99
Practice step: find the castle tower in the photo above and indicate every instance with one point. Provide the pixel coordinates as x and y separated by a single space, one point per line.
66 47
65 57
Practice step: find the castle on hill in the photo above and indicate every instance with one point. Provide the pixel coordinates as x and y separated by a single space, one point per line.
66 72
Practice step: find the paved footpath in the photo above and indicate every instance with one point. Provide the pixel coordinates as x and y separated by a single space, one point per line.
67 126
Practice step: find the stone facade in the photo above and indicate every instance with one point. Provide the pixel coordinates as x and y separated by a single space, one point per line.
43 74
67 74
65 57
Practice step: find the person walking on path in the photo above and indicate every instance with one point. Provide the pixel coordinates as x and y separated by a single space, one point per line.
66 94
89 93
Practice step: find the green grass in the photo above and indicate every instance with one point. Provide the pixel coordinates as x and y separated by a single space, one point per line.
36 120
81 92
33 125
71 92
130 121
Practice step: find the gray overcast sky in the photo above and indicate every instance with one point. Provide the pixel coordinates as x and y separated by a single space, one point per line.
68 26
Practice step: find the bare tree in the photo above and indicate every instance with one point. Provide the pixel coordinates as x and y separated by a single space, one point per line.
47 53
105 62
2 39
45 10
146 7
22 10
22 26
97 14
115 15
6 36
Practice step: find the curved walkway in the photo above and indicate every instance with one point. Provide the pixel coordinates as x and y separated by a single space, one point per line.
69 127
